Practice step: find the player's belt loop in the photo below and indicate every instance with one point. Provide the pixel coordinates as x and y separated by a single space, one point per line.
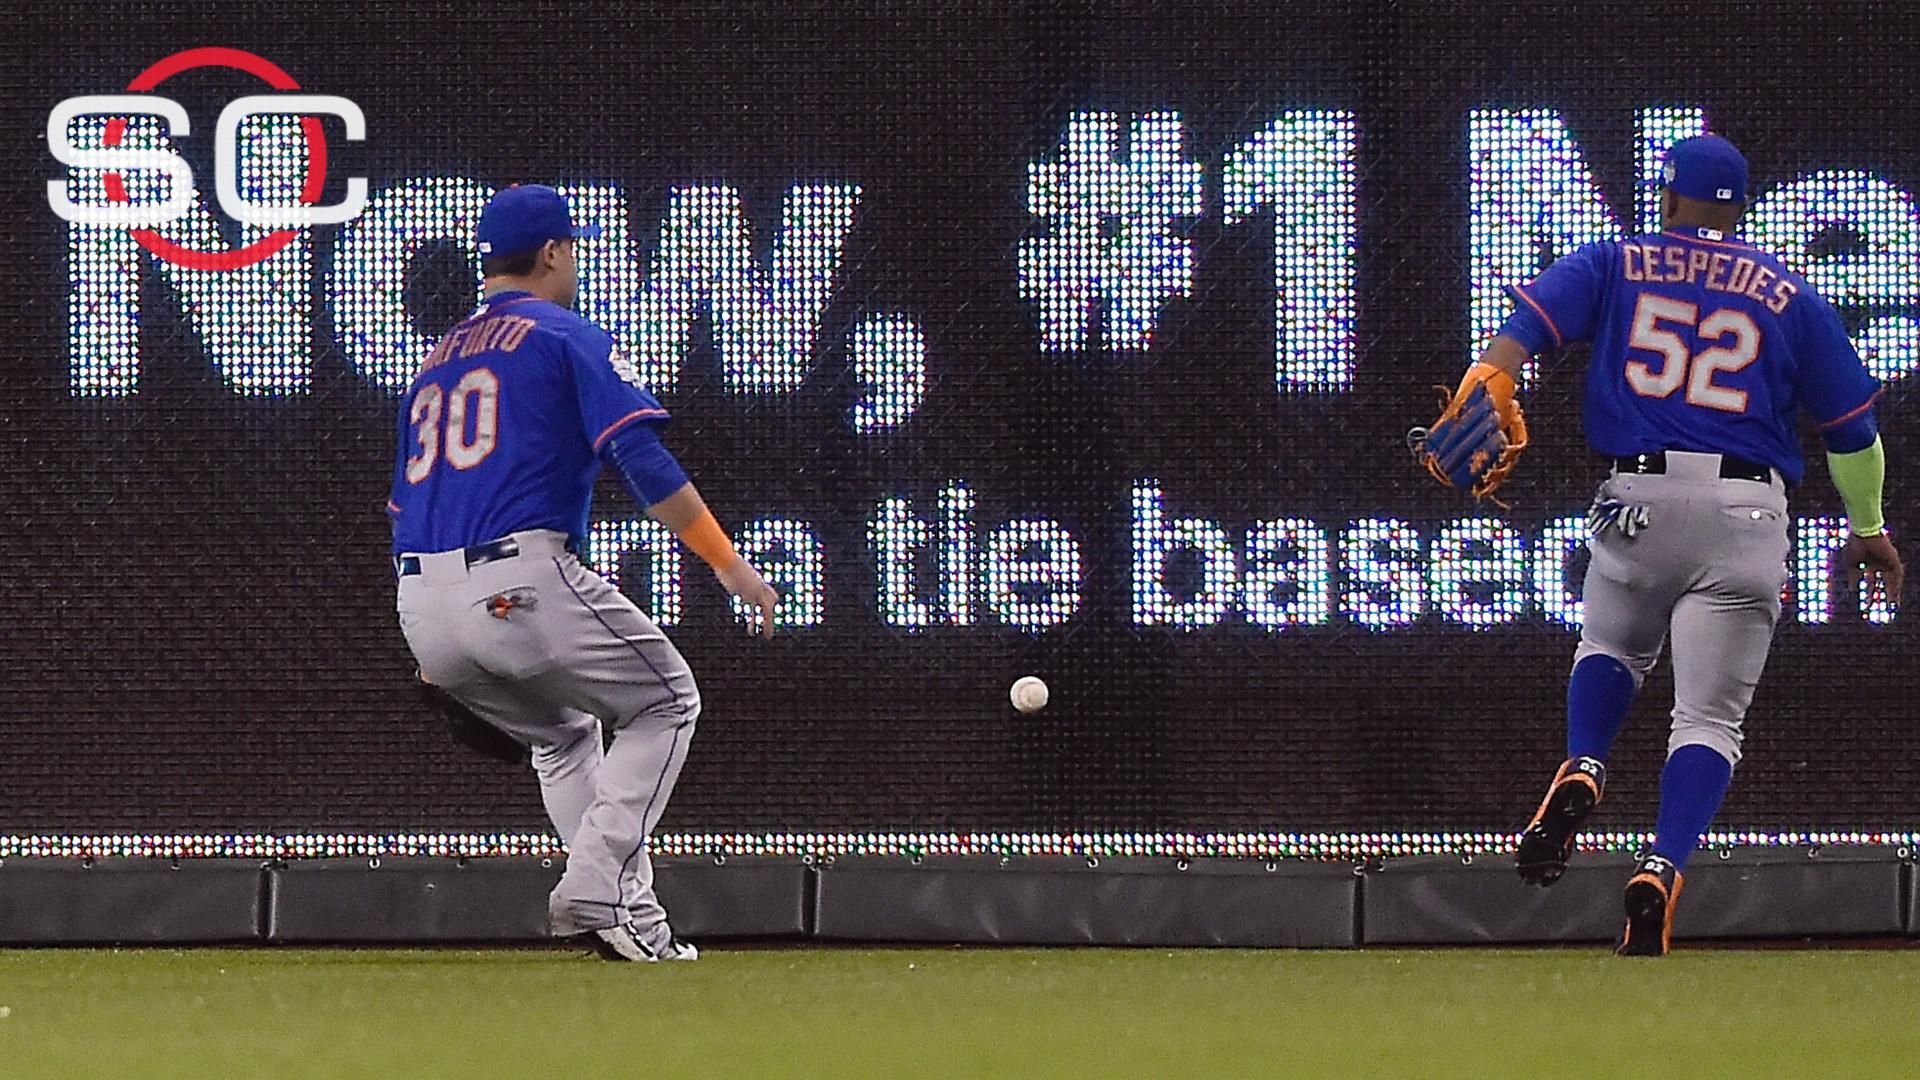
492 551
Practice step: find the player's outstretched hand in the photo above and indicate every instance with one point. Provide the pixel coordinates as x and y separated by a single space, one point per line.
1876 559
743 581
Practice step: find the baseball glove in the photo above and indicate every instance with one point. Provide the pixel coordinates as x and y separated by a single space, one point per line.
468 729
1476 442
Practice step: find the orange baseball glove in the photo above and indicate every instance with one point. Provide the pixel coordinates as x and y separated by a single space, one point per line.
1477 440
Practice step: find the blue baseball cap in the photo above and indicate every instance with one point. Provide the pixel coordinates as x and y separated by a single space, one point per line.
521 218
1708 168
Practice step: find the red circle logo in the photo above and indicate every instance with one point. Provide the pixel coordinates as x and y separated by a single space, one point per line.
266 71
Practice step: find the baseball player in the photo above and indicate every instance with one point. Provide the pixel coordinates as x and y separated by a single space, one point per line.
502 434
1704 350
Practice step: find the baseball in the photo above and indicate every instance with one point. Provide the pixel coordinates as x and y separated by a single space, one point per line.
1029 694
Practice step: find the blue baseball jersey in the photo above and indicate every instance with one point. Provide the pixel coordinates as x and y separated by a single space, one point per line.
1700 343
504 427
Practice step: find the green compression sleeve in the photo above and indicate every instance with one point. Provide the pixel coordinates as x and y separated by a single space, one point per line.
1860 476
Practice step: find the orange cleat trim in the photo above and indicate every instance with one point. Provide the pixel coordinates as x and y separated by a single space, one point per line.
1673 901
1566 771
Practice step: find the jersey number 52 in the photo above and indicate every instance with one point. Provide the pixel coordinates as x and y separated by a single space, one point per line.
475 397
1677 366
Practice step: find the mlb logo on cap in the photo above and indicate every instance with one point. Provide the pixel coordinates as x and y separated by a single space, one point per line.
521 218
1708 168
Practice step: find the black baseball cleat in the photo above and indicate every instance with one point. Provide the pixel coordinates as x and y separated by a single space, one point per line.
1652 893
1547 842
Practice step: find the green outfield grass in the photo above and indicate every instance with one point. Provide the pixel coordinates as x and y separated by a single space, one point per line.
921 1013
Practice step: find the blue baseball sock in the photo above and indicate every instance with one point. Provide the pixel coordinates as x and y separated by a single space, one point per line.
1598 694
1691 787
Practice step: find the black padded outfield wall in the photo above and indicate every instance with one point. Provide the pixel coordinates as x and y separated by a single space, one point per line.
1073 340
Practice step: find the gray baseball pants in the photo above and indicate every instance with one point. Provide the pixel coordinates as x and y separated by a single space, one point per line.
1706 574
548 651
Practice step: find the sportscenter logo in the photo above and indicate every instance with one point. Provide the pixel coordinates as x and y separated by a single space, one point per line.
142 218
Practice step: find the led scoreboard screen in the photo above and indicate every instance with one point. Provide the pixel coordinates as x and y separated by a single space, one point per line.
1075 341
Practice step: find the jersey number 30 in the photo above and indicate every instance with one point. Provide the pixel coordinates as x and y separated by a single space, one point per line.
476 396
1696 371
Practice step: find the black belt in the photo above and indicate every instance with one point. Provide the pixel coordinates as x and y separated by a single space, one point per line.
1731 468
408 565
